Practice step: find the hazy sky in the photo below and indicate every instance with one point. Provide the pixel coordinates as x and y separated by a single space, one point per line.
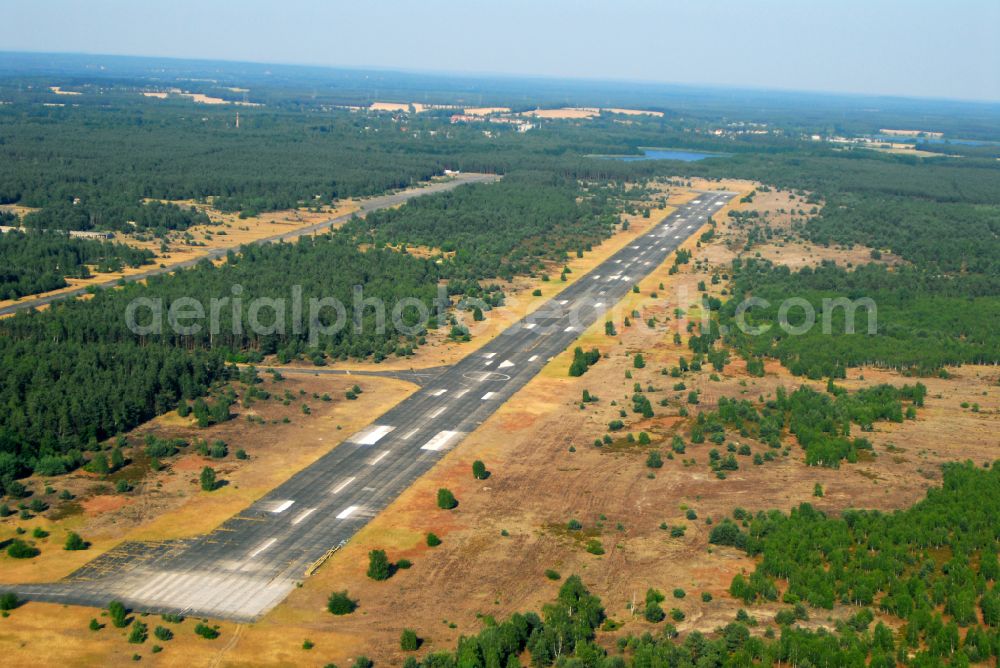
941 48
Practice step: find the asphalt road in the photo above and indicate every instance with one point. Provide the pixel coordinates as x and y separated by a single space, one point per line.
368 205
249 564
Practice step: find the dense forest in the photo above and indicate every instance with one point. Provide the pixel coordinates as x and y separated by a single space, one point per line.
498 230
923 320
38 262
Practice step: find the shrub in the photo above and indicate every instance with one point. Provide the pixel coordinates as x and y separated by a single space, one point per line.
638 361
479 471
594 546
118 614
551 574
433 540
679 593
138 634
18 549
378 565
308 644
408 641
8 601
446 500
706 597
207 632
644 438
363 662
341 604
574 525
404 564
163 633
653 612
95 625
654 460
207 479
691 514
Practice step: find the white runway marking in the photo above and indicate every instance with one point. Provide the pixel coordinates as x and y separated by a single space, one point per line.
505 364
379 458
408 435
340 488
533 358
437 411
346 512
626 278
461 393
304 514
442 440
437 393
697 201
596 276
372 434
263 546
489 355
570 329
488 395
529 325
618 261
564 301
282 507
598 304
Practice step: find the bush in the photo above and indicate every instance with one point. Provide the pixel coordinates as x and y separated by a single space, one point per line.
644 438
433 540
138 634
594 546
574 525
653 612
679 593
95 625
18 549
118 614
378 565
654 460
551 574
207 632
207 479
404 564
341 604
446 500
163 633
8 601
408 641
479 471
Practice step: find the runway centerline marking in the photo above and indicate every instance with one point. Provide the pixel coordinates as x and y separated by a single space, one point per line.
437 411
263 546
340 488
379 458
304 514
437 393
488 395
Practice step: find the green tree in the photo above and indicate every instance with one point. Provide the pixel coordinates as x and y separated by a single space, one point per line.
446 500
378 565
138 633
638 361
118 614
433 540
479 471
74 542
340 603
207 479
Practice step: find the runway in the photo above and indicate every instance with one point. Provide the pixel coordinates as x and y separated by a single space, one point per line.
249 564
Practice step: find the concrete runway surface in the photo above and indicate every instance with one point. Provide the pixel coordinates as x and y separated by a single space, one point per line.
248 565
